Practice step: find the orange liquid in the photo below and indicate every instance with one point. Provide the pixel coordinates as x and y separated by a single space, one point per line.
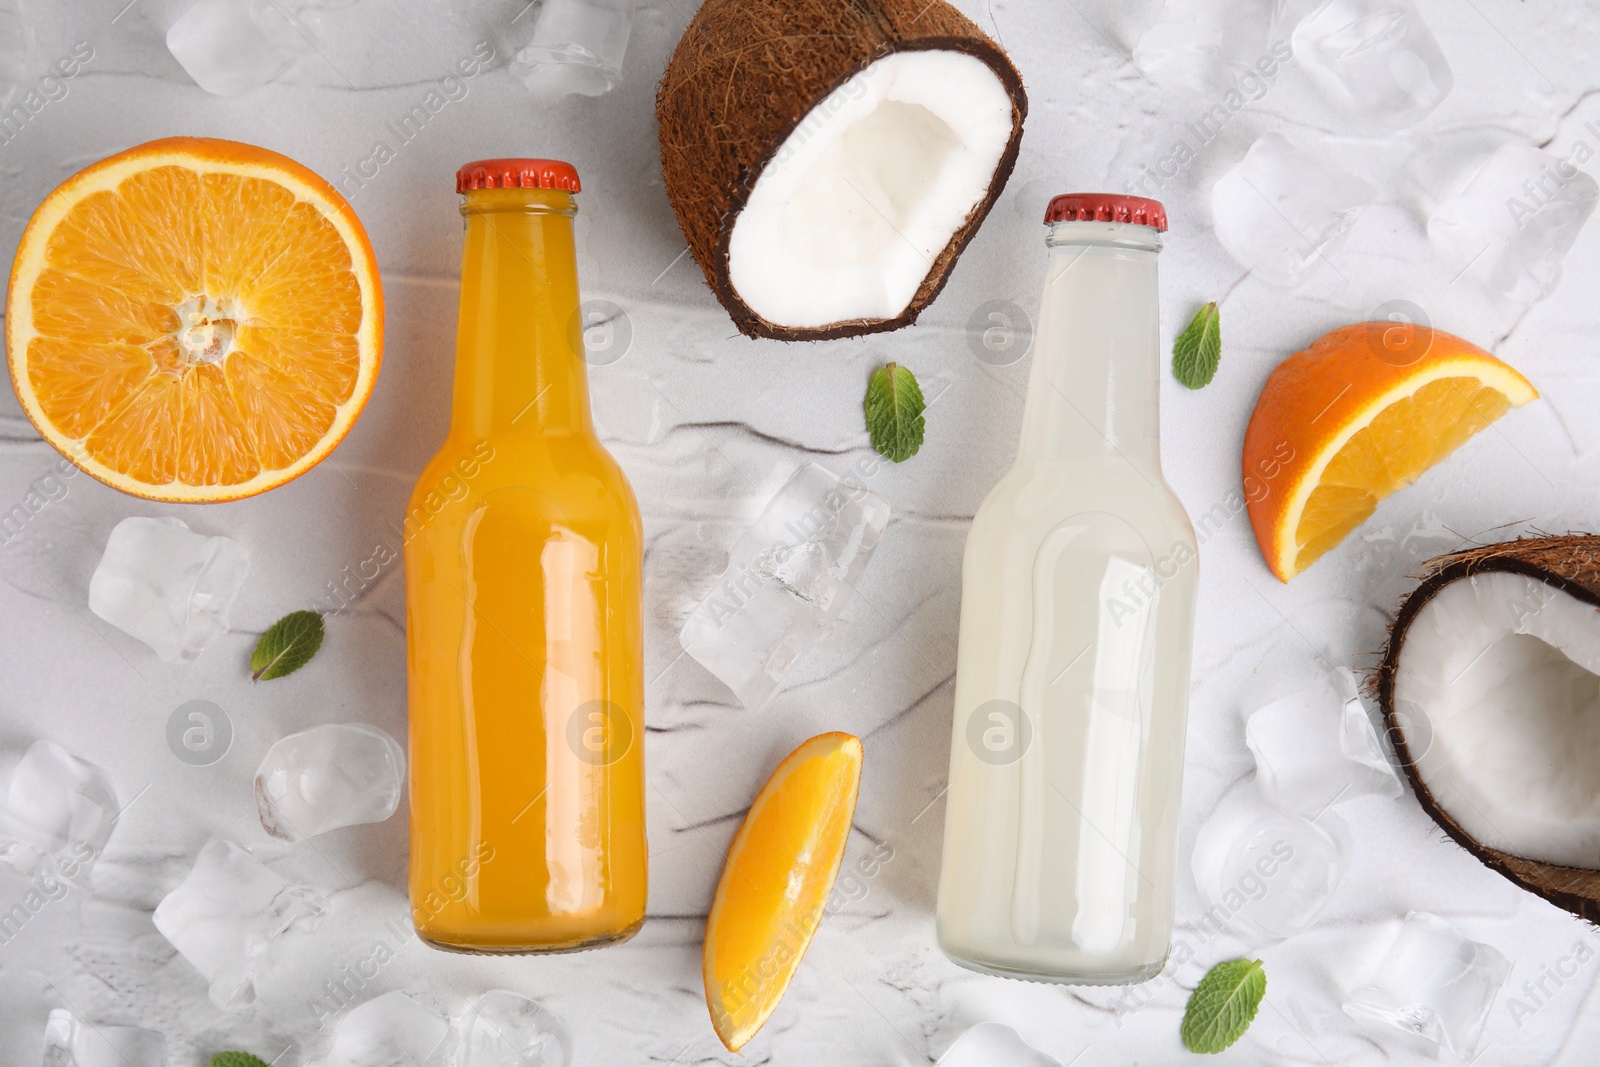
523 619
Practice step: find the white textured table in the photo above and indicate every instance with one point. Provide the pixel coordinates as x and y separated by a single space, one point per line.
707 425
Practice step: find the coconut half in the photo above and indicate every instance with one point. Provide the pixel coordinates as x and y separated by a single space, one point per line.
829 161
1491 690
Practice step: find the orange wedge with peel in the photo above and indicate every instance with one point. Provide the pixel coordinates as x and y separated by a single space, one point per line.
194 319
1361 413
780 869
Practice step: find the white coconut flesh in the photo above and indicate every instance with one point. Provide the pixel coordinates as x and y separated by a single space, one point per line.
1497 690
848 217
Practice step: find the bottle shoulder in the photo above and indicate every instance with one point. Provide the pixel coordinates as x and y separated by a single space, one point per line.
1034 498
571 473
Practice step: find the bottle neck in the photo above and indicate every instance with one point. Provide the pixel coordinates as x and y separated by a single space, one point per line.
519 344
1094 389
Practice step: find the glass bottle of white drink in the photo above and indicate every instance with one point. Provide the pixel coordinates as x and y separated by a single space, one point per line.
1077 616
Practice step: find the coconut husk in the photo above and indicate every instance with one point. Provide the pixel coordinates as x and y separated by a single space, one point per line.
744 75
1570 563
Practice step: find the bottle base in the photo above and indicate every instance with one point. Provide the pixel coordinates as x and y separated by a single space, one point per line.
477 948
1029 974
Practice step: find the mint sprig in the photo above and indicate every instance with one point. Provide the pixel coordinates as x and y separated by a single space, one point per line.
894 409
237 1059
287 646
1198 349
1223 1005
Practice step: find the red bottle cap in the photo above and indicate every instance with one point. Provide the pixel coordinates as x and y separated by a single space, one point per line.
517 174
1106 207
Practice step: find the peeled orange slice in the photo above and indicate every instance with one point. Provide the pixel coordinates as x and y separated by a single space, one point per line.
779 872
1362 412
194 320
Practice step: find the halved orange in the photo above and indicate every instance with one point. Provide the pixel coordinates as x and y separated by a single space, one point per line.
1361 413
194 319
775 883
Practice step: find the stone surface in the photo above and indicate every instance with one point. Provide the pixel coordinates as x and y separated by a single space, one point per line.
708 425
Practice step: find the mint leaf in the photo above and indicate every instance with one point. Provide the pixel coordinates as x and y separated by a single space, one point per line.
237 1059
1223 1005
286 646
894 412
1198 349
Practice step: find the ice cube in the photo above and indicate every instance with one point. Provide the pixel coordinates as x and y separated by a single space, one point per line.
17 54
509 1030
1515 221
993 1045
58 815
320 779
69 1042
1263 874
227 916
1282 208
1316 748
166 585
577 48
801 570
1374 60
787 580
1433 984
1204 47
397 1029
230 47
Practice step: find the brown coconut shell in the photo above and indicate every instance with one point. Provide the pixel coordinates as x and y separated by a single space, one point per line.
1570 563
744 75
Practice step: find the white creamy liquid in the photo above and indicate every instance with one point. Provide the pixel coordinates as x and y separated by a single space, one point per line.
1078 591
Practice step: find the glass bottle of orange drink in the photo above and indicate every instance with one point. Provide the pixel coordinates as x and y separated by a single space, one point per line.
523 609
